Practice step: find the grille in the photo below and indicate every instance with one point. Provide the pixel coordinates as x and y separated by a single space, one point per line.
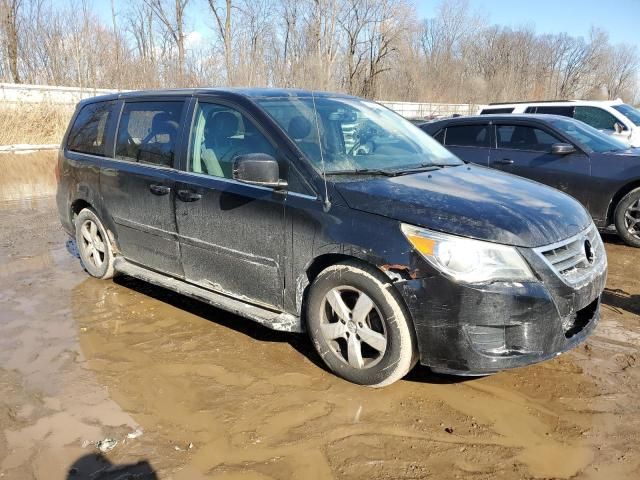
573 259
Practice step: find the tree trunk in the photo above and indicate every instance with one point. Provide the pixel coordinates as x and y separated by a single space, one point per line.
10 21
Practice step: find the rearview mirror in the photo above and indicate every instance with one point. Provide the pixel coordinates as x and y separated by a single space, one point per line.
562 149
258 169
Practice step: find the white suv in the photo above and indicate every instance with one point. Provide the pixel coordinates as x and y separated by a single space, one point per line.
613 116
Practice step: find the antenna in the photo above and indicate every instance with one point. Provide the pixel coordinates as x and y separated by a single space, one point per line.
327 202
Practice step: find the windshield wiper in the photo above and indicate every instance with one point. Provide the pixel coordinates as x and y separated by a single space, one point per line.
388 173
362 171
423 168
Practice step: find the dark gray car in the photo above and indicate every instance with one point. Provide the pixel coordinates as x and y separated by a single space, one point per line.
598 170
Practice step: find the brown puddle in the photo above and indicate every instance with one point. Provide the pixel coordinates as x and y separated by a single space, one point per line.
26 176
217 396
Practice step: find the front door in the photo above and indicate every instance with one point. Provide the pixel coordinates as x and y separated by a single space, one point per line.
231 234
138 188
526 151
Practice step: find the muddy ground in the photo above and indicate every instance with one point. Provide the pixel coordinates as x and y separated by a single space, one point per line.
216 396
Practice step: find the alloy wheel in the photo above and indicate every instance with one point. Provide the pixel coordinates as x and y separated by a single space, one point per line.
93 243
632 219
353 327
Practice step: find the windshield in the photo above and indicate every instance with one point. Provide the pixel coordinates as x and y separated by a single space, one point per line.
631 113
356 135
589 137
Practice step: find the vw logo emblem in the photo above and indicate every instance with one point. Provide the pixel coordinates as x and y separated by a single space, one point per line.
588 251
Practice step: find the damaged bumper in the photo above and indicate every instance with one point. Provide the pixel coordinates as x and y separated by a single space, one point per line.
476 330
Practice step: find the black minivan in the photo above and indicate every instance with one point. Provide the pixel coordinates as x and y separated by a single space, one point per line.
330 214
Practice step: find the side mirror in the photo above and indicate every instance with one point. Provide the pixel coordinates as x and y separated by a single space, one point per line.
258 169
618 127
562 149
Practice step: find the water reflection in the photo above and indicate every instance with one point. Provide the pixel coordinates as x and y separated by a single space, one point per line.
255 400
27 176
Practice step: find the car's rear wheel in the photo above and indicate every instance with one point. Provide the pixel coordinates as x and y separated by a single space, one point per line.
627 218
93 244
360 326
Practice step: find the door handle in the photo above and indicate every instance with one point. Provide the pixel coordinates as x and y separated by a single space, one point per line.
159 189
188 195
504 161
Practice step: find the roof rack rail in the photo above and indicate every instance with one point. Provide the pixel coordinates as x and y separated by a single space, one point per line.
530 101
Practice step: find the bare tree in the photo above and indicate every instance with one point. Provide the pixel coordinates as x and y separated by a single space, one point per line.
222 15
10 10
382 36
140 25
353 23
621 66
173 19
374 48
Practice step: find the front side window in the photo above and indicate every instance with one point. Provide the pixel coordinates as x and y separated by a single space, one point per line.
350 134
631 113
148 132
521 137
468 136
596 117
88 132
220 134
587 136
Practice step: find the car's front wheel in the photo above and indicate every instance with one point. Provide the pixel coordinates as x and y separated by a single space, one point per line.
627 218
93 244
360 326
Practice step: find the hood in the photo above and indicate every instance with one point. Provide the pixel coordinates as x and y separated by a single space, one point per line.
474 202
629 152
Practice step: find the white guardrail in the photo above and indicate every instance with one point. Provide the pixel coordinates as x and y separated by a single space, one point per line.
11 93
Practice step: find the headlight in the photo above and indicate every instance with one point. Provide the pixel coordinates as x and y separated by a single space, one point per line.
466 260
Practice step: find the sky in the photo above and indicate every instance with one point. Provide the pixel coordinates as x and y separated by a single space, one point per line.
620 18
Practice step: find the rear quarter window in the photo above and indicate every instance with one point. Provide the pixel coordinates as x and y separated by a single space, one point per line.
488 111
555 110
88 133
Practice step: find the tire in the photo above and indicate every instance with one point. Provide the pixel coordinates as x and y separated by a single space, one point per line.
627 218
372 321
94 247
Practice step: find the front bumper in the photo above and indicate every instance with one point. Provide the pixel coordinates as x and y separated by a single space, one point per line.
477 330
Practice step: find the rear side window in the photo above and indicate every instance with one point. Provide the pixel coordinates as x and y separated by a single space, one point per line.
596 117
488 111
564 111
148 132
88 133
467 136
520 137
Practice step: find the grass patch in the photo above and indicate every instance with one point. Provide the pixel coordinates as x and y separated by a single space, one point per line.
33 123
